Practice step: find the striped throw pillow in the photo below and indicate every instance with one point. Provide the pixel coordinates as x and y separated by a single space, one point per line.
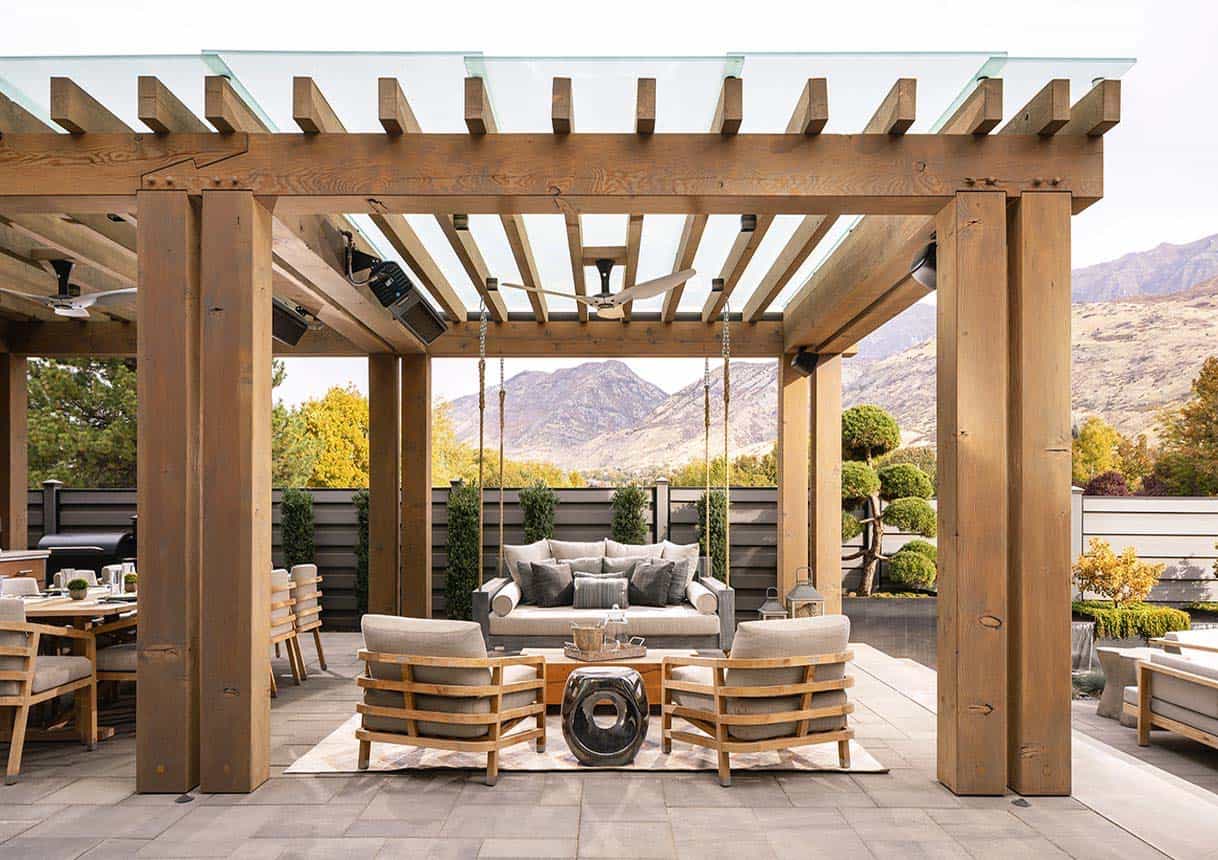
593 592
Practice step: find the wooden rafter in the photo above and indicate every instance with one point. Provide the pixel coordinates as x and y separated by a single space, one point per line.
812 110
78 112
807 236
1097 112
729 112
315 116
162 111
645 107
575 251
1045 113
310 246
394 110
562 106
634 241
571 338
897 112
70 339
738 258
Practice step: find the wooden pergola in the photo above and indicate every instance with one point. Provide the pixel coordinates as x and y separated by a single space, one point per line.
210 219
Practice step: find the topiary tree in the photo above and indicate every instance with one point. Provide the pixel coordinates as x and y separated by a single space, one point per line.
912 569
629 506
922 547
718 508
296 517
537 503
1107 484
925 457
360 499
462 575
894 495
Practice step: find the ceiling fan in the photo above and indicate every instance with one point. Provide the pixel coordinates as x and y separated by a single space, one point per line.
68 301
609 305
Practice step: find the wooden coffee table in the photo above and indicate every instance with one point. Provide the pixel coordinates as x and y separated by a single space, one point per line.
559 666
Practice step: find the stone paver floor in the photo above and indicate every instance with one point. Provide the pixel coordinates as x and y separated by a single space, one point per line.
70 803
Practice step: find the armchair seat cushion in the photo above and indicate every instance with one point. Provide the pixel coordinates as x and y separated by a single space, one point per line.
56 671
117 658
1177 691
649 621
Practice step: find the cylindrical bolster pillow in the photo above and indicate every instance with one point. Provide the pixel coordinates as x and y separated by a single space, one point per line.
507 598
703 599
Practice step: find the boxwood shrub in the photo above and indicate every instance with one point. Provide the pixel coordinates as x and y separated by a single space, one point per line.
912 569
1138 620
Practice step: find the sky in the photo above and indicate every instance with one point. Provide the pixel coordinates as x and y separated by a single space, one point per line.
1161 163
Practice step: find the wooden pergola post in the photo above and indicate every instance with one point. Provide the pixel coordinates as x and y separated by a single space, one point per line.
236 293
169 476
1038 240
794 445
14 441
384 482
416 486
972 443
825 480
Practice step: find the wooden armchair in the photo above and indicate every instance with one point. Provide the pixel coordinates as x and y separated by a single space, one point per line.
1176 693
27 678
283 626
450 702
756 702
307 594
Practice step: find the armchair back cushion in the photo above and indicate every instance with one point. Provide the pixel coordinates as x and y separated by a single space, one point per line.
565 549
794 637
513 554
305 594
426 637
281 592
613 549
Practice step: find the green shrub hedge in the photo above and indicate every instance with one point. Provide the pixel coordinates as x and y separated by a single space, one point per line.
912 569
296 517
360 499
851 527
462 576
1138 620
537 504
629 523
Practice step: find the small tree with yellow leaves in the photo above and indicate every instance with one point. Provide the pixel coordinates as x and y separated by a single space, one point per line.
1124 579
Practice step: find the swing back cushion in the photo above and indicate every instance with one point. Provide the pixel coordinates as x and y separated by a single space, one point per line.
513 554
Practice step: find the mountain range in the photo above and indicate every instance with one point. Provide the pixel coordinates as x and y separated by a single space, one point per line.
1142 324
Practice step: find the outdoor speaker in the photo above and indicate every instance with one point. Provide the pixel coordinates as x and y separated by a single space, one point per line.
414 312
804 362
287 324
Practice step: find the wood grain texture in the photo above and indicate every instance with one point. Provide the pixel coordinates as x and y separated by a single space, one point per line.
170 462
687 249
63 338
479 119
825 480
226 110
384 481
415 578
1097 112
812 110
468 254
612 173
78 112
980 112
898 110
794 471
634 241
1038 248
235 620
973 432
729 111
14 445
604 339
396 115
162 111
645 107
310 110
562 106
1045 114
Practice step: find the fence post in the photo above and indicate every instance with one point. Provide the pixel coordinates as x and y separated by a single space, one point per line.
50 506
660 518
1076 521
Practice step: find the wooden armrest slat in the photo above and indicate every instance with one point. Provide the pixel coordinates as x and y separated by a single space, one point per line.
1172 643
1199 680
452 662
453 690
761 663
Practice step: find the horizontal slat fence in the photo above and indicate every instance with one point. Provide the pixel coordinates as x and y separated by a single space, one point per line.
1180 532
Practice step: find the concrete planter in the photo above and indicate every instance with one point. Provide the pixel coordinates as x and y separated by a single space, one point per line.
899 626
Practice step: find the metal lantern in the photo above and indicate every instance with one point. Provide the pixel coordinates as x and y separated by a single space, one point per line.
804 601
772 609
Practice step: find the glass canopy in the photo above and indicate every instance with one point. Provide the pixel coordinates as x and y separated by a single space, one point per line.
603 88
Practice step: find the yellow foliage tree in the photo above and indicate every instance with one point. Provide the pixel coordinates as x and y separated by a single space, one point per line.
339 420
1094 450
1124 579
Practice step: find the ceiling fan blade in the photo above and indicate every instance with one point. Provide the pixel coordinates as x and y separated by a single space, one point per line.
42 300
654 287
89 299
72 312
575 298
611 312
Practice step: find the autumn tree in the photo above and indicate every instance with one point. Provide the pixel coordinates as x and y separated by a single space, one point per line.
894 494
748 470
1093 450
339 421
1189 465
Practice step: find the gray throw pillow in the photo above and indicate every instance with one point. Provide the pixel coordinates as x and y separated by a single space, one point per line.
621 566
682 575
584 565
649 583
523 573
601 592
550 584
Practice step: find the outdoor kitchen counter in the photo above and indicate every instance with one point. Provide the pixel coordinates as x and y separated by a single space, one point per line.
24 562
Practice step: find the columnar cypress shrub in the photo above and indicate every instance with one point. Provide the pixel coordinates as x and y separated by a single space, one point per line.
360 500
462 576
537 503
718 518
296 516
629 514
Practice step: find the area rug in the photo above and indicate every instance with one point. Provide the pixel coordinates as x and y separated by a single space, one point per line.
337 754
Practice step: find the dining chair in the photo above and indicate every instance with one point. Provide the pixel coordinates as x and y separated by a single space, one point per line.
18 586
283 625
28 678
307 594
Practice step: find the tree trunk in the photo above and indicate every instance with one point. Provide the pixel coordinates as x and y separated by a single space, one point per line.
873 546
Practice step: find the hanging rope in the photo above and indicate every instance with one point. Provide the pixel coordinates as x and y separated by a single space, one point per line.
481 430
727 460
502 397
706 381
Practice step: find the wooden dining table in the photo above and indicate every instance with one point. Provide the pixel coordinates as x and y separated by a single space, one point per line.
96 615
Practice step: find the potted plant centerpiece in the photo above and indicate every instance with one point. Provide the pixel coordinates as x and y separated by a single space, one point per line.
78 589
129 581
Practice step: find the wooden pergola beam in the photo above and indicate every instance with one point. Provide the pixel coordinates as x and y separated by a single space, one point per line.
812 109
562 106
399 234
729 113
634 241
78 112
226 110
1097 112
604 339
522 173
807 236
981 111
645 107
1045 114
395 112
738 258
898 110
162 111
575 253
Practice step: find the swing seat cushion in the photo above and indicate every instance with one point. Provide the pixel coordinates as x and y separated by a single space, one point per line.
647 621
